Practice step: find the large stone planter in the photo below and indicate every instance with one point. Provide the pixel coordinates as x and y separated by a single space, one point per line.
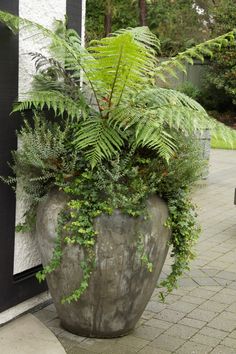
120 285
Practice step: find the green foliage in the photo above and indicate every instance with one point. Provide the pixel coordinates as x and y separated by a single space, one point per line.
224 15
220 82
112 143
184 236
176 23
143 256
222 74
190 90
200 51
124 14
115 118
57 253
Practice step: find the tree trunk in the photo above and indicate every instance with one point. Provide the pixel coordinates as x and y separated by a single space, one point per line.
142 12
108 18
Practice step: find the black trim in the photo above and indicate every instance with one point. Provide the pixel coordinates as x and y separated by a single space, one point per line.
74 14
12 292
27 273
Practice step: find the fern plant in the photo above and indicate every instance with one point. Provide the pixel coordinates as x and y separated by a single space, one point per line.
113 109
115 137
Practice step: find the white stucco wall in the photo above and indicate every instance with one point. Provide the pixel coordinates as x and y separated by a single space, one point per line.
43 12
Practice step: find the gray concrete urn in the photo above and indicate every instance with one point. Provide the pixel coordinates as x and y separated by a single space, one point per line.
120 285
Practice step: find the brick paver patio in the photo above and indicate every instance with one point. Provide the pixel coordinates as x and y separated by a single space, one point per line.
199 317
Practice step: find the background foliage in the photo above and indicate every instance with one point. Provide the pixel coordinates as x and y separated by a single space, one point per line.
179 24
220 86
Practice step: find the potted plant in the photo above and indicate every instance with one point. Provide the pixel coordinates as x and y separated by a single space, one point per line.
107 169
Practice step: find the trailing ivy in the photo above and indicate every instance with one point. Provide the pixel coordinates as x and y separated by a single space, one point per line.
57 253
185 232
143 256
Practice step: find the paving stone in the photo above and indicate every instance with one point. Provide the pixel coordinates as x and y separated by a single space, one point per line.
232 285
223 282
181 291
55 326
67 344
154 322
187 282
205 281
181 331
117 349
215 288
132 341
232 308
233 334
45 315
151 350
194 348
198 273
192 322
77 350
182 306
229 342
221 349
203 293
227 275
94 345
210 272
170 315
140 322
69 340
154 306
224 298
223 324
202 315
147 332
193 299
228 315
166 342
147 315
206 340
213 306
212 332
171 299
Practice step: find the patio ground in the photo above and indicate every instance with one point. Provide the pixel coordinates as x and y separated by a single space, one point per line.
199 317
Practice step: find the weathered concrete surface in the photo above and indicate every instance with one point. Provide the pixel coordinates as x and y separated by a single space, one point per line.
28 335
120 285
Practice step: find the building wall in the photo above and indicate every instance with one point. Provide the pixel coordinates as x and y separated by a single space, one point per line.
44 12
195 74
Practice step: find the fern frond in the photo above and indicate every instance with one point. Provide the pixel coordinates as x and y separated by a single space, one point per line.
54 100
200 51
143 36
155 137
98 140
66 44
122 65
160 97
